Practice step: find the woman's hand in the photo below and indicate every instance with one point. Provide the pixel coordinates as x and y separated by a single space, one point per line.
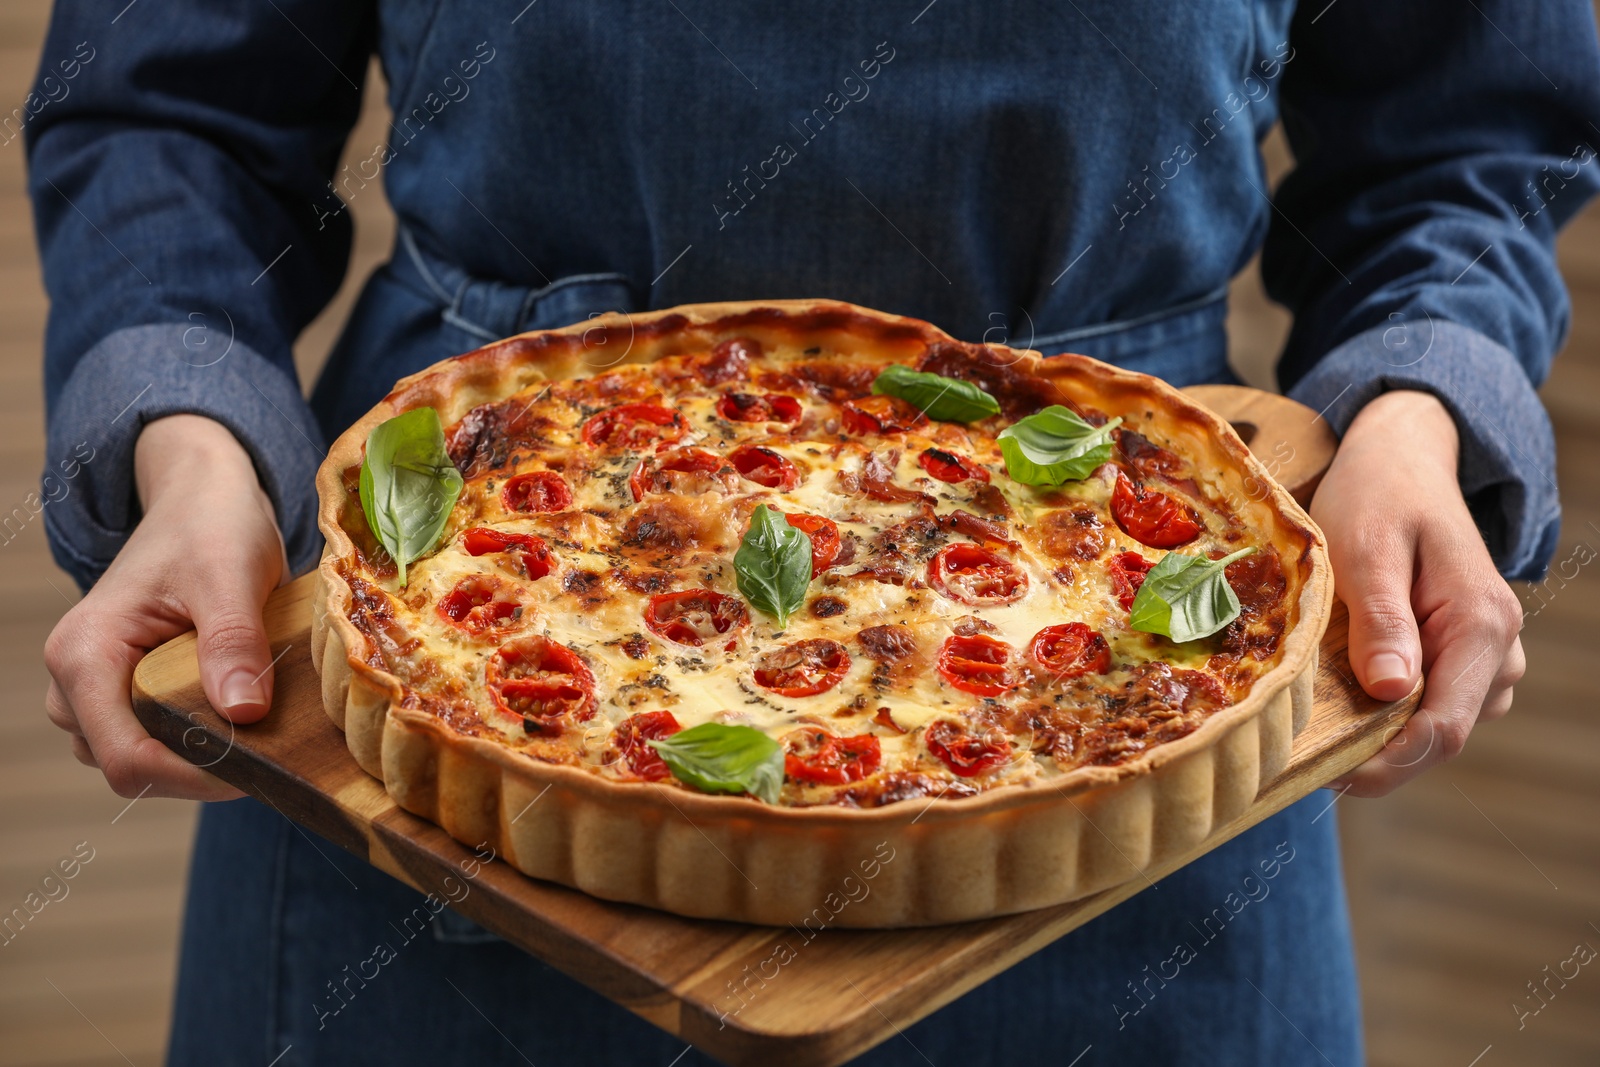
1424 598
205 556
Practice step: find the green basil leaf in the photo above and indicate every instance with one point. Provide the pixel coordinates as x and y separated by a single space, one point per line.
408 485
725 759
1054 446
1186 598
947 399
773 565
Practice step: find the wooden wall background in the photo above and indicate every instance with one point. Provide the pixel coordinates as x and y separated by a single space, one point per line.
1464 885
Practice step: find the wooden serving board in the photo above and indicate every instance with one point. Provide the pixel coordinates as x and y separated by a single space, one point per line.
850 989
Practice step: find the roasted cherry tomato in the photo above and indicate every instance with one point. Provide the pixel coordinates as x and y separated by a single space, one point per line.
977 663
531 553
540 491
1152 518
695 616
1127 575
802 668
479 603
540 682
880 414
964 752
824 534
653 474
1069 650
630 737
973 574
765 467
812 754
730 359
633 426
949 467
748 407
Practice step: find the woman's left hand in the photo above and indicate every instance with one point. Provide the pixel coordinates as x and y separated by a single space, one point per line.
1425 600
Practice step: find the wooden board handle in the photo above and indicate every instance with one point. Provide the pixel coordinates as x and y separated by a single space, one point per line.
1294 442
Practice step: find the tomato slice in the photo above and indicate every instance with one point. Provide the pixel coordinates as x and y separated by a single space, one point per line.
653 472
976 663
531 553
540 682
765 467
880 414
479 603
825 543
540 491
1127 575
972 574
748 407
1152 518
949 467
632 426
812 754
630 737
694 616
802 668
1070 650
481 540
966 753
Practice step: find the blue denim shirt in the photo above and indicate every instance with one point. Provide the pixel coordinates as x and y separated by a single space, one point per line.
1081 176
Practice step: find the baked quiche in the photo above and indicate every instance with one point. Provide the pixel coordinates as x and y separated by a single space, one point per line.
659 601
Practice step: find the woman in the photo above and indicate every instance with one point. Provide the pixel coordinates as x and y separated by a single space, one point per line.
1080 178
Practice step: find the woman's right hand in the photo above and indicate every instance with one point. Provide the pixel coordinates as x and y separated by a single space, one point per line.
204 556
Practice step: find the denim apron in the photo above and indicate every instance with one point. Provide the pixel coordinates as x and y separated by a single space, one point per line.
418 309
284 931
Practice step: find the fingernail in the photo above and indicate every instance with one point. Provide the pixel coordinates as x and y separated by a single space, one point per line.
1386 666
243 687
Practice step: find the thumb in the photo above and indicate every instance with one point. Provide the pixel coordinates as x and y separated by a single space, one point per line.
1384 649
235 659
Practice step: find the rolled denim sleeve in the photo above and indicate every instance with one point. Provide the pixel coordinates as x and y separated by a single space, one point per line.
1439 147
1508 455
144 373
179 174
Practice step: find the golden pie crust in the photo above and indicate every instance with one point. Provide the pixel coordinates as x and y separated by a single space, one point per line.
1005 850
